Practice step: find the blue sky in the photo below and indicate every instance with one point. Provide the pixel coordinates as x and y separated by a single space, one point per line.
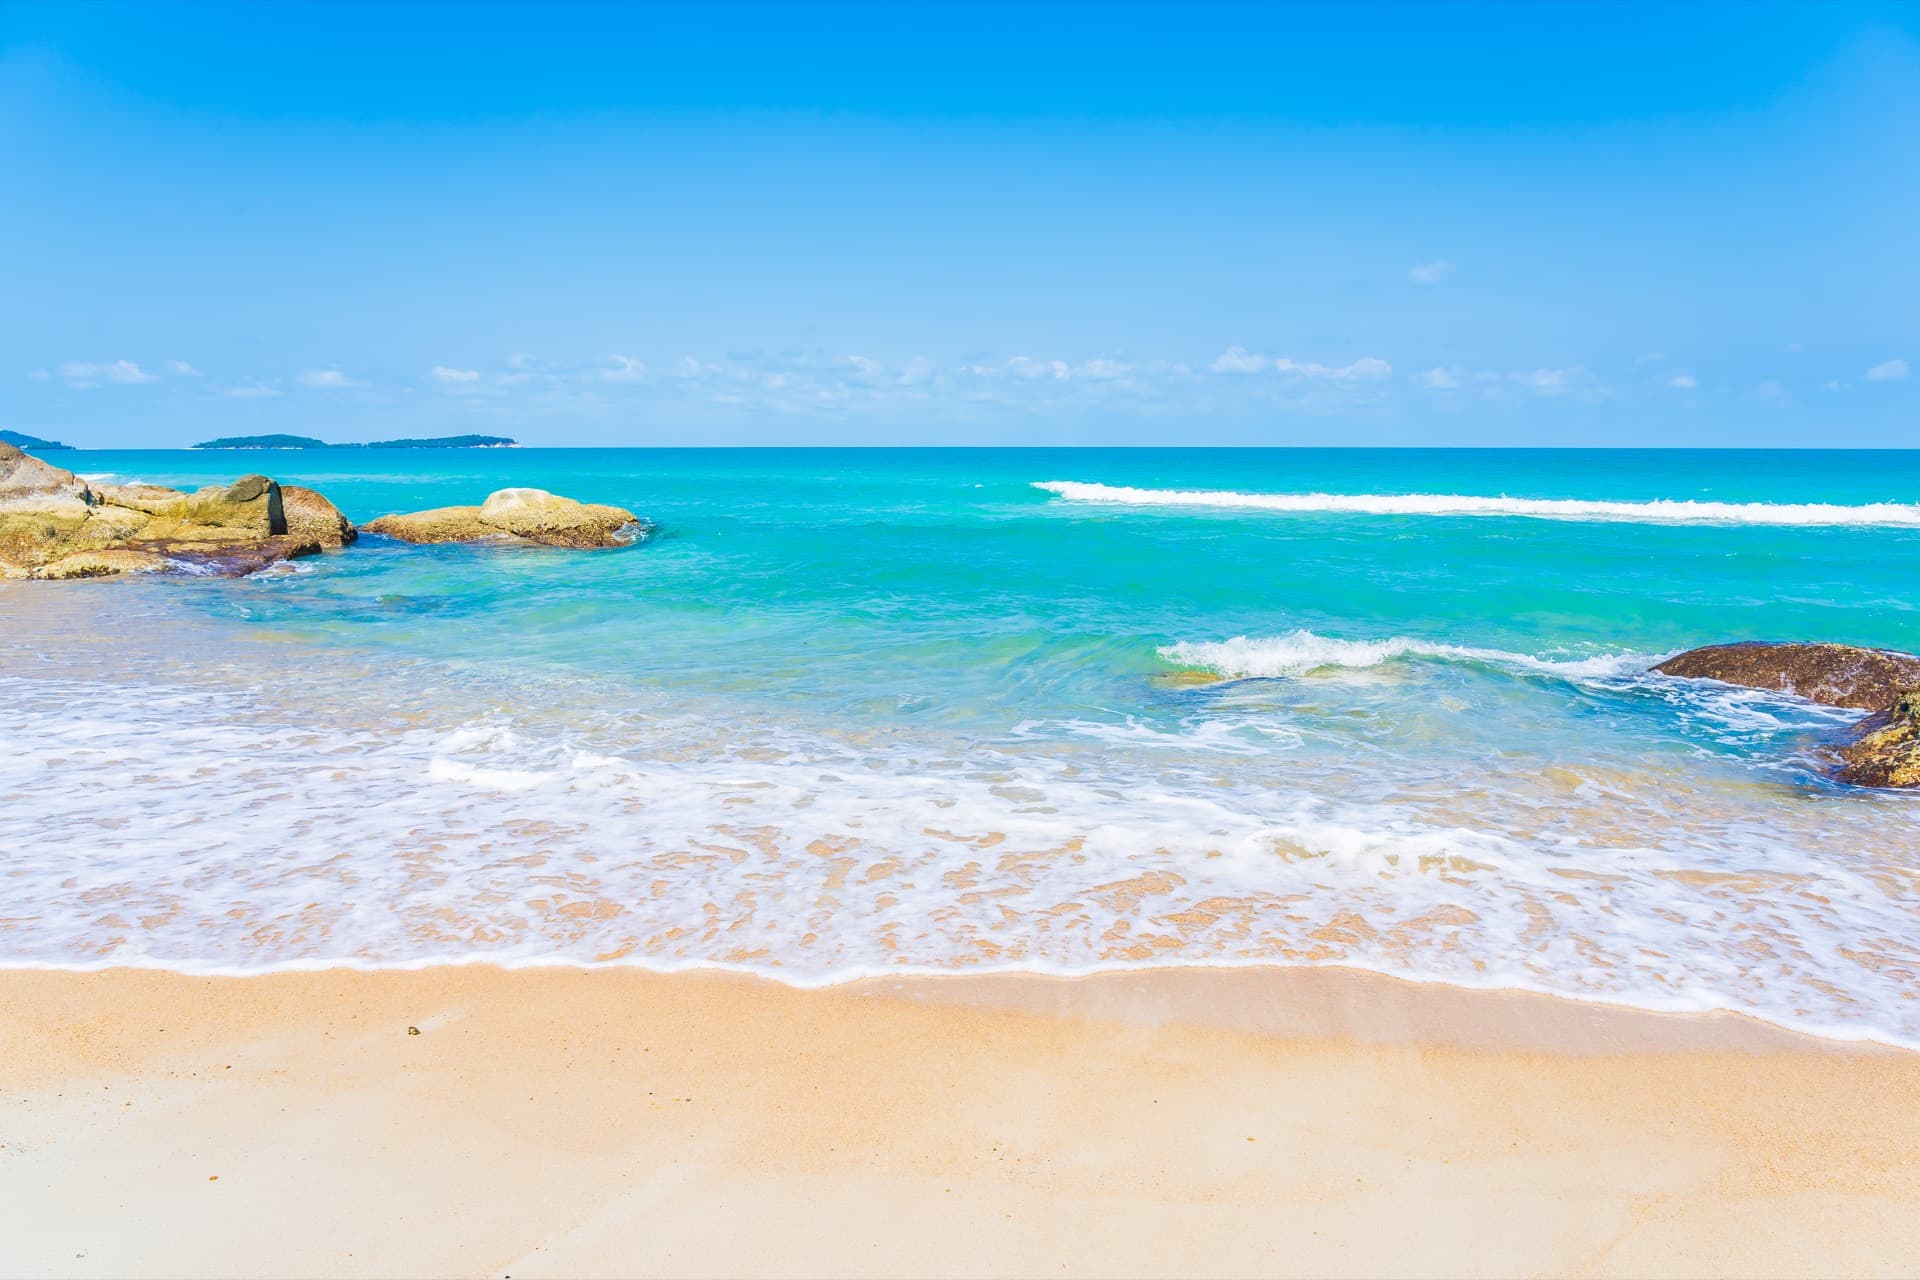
867 224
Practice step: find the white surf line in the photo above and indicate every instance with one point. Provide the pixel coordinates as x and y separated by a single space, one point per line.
1656 511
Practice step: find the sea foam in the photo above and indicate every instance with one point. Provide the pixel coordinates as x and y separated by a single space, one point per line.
1656 511
1225 837
1300 652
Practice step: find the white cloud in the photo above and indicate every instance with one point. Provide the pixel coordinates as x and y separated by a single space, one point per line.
181 369
1240 360
1683 381
1367 367
1551 382
1888 371
1438 379
125 371
330 378
869 372
625 369
252 391
1436 272
1027 367
441 373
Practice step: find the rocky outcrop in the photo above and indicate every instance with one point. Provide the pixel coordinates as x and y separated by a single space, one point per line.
43 512
1883 750
441 524
553 521
1887 751
530 516
311 517
55 525
1836 674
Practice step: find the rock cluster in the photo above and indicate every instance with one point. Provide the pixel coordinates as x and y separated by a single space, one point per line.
518 516
53 524
1884 748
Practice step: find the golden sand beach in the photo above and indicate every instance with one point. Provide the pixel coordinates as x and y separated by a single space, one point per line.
481 1122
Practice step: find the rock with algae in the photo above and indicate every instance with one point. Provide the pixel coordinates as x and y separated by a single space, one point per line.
1887 751
1838 675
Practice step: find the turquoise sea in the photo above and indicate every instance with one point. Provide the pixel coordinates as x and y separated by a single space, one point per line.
848 712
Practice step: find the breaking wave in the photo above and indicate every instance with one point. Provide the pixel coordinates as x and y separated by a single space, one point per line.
1656 511
1299 652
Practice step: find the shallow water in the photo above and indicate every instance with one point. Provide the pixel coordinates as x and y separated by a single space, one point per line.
852 712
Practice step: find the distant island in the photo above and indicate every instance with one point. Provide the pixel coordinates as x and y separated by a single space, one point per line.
20 440
444 442
264 442
308 442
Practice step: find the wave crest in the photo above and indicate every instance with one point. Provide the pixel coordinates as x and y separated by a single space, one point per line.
1656 511
1298 652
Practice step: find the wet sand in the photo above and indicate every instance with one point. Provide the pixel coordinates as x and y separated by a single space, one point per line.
612 1122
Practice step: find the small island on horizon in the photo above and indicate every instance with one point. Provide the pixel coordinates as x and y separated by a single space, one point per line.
21 440
309 442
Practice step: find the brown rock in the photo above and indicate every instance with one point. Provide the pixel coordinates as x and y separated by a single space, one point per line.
150 499
27 482
525 516
442 524
553 521
249 507
1887 752
1836 674
43 511
310 516
55 525
234 559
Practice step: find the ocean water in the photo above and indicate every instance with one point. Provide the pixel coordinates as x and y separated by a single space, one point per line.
852 712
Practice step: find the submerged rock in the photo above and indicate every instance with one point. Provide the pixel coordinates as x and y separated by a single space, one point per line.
1884 750
1838 675
104 564
517 516
1887 752
235 559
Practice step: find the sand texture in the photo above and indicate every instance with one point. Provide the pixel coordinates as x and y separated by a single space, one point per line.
613 1122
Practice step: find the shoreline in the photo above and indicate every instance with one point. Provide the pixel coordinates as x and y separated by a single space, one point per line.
1302 1001
606 1121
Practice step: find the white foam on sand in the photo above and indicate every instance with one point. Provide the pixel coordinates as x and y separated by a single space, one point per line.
220 829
